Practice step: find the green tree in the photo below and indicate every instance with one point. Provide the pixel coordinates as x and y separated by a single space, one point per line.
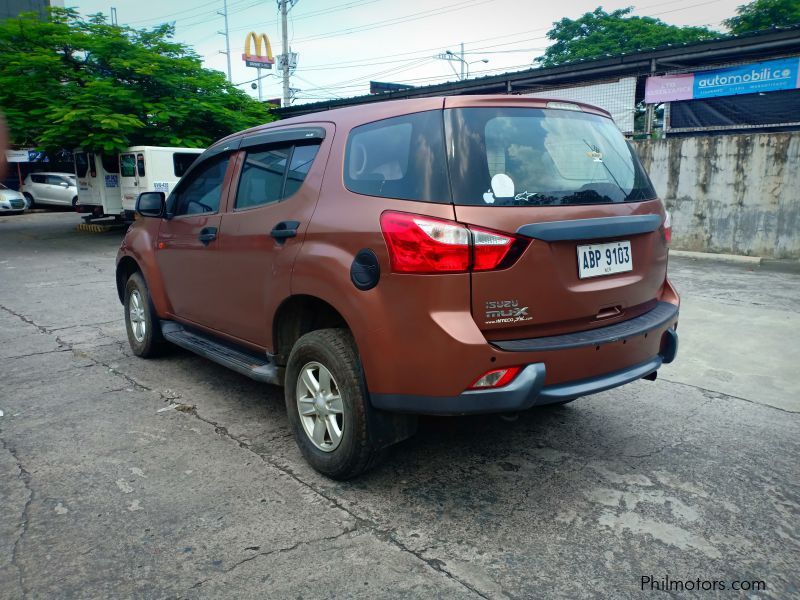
763 14
67 82
599 33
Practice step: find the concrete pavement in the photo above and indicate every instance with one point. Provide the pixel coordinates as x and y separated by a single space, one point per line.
175 478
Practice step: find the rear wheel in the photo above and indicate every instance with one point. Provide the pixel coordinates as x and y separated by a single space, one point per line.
141 322
74 202
326 402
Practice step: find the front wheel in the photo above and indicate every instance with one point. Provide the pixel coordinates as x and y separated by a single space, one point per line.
30 200
326 402
141 322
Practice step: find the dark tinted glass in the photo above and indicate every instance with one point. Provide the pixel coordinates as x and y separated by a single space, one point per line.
140 164
81 164
38 178
261 181
538 157
181 161
56 180
402 157
200 193
302 159
127 165
110 163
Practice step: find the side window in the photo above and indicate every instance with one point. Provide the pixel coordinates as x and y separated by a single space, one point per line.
201 192
110 163
402 157
54 180
302 159
262 177
92 165
140 164
127 165
38 178
181 161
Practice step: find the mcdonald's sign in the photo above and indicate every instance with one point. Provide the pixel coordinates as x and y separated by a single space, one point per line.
257 59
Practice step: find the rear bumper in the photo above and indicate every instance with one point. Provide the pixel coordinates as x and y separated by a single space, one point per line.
529 389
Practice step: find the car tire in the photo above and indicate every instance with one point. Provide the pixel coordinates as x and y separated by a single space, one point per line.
333 350
31 201
74 202
141 323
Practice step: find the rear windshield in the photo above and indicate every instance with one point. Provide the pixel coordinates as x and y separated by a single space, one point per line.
540 157
81 164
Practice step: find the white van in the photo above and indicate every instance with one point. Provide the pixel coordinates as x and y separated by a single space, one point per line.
99 193
152 169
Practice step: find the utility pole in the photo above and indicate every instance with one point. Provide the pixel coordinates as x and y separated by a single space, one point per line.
463 62
284 6
226 33
114 21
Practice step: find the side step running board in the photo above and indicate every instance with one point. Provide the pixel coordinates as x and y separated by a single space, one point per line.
247 363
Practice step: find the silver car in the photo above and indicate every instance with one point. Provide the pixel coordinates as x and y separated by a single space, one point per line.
11 201
59 189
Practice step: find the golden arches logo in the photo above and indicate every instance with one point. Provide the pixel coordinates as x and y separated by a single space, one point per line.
257 59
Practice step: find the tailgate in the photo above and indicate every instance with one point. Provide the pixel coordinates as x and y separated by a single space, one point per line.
543 292
562 177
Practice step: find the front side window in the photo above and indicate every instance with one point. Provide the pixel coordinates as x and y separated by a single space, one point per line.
540 157
38 178
127 165
401 157
181 161
55 180
201 192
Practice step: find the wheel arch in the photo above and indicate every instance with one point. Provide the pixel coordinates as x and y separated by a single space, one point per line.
298 315
126 267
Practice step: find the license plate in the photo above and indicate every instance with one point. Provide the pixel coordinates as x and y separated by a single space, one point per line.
604 259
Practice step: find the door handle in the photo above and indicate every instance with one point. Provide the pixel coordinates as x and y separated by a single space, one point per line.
284 230
207 235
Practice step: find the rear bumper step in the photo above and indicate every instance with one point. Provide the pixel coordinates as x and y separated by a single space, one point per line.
254 366
661 314
527 390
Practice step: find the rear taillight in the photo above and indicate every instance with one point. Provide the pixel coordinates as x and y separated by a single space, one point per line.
667 226
495 378
420 244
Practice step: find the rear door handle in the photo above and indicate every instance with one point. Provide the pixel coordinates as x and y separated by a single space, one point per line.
207 235
285 230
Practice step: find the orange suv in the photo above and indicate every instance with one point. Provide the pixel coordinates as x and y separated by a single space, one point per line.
449 256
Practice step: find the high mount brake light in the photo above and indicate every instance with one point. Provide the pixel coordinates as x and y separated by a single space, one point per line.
419 244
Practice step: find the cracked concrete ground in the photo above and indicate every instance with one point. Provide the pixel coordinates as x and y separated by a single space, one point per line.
175 478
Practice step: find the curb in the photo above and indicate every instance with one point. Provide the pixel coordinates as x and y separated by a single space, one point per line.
98 227
726 258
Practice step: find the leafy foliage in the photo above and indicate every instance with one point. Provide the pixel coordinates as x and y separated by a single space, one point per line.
764 14
600 33
67 82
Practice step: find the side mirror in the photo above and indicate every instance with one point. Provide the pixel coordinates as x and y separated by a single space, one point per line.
64 184
150 204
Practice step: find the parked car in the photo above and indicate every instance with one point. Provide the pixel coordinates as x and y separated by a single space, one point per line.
58 189
11 201
447 256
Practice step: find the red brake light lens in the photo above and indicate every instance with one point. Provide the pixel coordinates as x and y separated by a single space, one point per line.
424 244
419 244
495 378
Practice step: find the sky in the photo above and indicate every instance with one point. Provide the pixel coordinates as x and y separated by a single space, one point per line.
343 45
